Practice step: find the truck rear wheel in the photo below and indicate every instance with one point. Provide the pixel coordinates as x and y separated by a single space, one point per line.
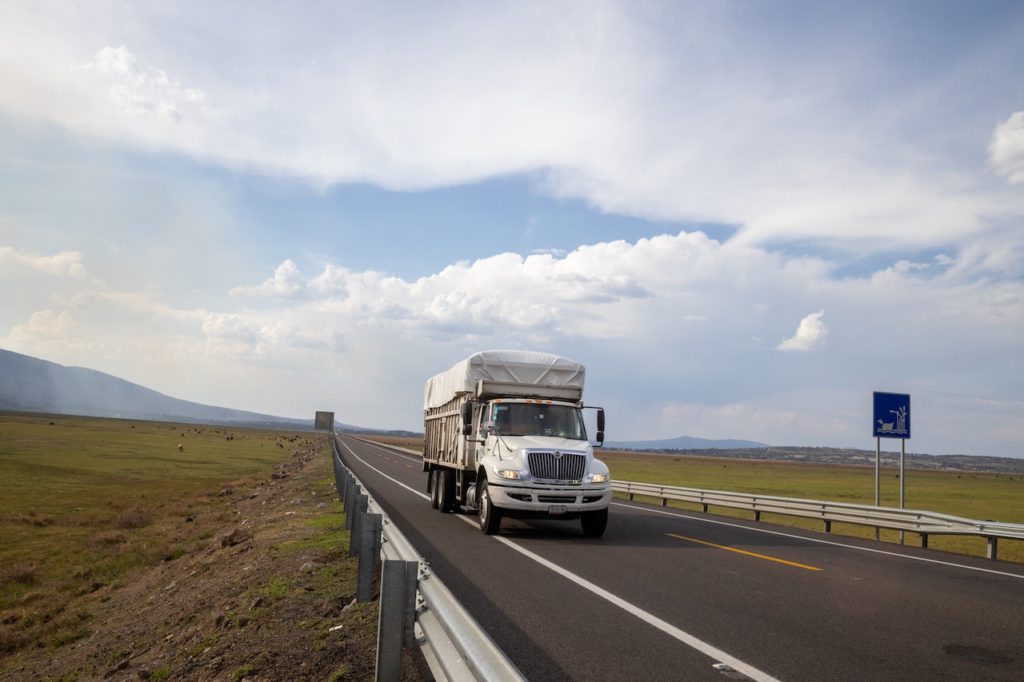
490 516
434 489
594 523
445 484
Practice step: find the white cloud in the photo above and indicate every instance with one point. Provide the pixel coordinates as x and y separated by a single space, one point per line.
810 334
135 91
65 263
49 331
678 112
670 328
1007 148
617 105
285 283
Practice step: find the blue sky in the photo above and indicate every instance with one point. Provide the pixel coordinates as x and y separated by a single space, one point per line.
743 218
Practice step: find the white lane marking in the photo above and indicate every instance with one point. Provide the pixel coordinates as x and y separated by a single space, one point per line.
669 629
799 537
390 449
649 618
652 510
393 480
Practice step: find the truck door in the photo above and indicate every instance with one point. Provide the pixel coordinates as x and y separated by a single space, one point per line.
475 450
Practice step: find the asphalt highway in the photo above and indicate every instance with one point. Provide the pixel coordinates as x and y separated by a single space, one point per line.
675 595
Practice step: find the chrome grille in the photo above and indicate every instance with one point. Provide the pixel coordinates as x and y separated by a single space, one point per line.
554 466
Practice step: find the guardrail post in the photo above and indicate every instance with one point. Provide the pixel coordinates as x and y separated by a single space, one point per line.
828 525
924 540
757 514
664 502
397 610
369 555
359 506
342 481
337 472
351 488
993 545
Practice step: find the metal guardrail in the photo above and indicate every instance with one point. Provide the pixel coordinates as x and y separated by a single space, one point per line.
415 606
924 523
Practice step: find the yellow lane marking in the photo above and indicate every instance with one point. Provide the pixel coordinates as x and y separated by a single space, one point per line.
743 551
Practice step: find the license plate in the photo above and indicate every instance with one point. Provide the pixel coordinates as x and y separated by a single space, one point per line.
556 509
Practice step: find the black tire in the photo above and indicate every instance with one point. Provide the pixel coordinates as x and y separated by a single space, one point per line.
446 491
594 523
434 489
490 516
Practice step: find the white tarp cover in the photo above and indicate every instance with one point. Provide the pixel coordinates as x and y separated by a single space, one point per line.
507 366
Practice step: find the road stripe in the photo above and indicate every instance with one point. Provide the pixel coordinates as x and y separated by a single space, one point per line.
652 510
745 552
649 618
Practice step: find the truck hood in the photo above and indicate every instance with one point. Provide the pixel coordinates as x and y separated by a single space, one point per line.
542 443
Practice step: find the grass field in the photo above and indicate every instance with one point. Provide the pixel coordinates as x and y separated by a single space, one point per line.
85 501
996 497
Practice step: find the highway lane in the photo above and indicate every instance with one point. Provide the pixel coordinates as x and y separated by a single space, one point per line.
899 613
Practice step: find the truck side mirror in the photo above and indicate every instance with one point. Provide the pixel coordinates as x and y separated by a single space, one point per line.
467 418
600 427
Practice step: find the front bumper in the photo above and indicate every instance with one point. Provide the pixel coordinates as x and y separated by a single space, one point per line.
540 500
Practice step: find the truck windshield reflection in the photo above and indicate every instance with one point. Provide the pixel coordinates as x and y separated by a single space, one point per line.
535 419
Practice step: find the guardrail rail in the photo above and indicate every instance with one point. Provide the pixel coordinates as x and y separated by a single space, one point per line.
415 606
924 523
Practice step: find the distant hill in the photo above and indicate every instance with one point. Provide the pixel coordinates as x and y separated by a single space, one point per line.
29 384
685 443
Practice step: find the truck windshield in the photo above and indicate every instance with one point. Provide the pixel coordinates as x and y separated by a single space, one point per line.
534 419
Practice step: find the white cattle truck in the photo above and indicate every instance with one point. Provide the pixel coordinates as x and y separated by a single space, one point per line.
505 435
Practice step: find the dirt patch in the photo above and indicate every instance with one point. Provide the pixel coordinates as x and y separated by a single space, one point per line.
263 592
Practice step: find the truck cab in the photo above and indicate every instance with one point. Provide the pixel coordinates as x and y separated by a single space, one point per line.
535 460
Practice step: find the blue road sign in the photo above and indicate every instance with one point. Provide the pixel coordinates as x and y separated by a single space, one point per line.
892 415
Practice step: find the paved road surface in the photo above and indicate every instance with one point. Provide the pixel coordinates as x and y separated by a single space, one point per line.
673 595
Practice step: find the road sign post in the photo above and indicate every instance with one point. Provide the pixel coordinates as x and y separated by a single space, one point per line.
890 419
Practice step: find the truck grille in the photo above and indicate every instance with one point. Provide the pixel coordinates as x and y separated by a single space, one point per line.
555 466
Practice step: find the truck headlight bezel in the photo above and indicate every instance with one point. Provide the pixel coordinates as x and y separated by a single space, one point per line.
599 478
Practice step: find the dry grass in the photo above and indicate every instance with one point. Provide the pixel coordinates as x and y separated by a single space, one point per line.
88 501
133 518
22 573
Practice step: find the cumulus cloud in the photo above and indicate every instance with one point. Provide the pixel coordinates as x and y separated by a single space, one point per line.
48 330
810 334
670 327
286 282
1006 151
64 263
231 333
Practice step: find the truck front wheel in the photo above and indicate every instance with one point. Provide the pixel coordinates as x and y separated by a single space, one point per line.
490 516
594 523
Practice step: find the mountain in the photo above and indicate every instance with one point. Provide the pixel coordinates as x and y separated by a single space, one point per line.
685 443
29 384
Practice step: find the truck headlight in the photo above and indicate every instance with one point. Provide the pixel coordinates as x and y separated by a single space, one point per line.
599 478
512 474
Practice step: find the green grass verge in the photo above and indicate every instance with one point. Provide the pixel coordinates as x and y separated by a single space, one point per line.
997 497
88 500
